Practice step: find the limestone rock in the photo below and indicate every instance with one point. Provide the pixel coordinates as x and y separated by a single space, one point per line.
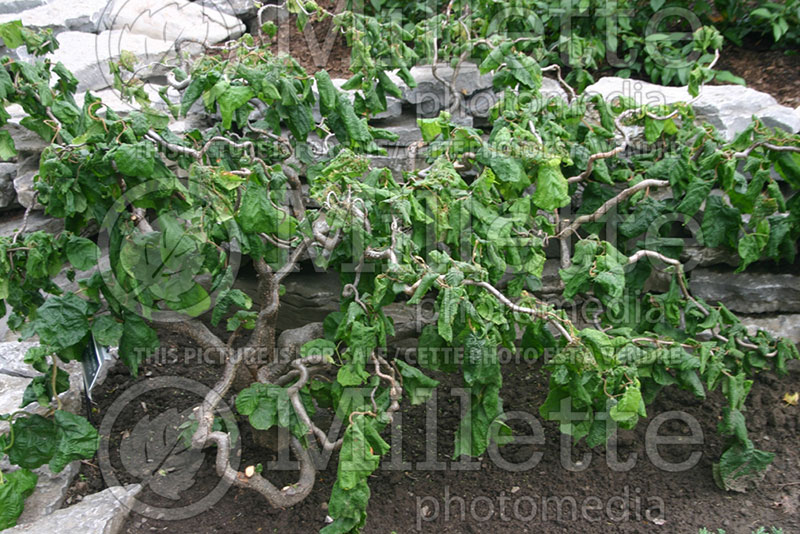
12 355
290 341
479 104
15 375
748 292
24 184
51 489
11 390
18 6
63 15
238 8
8 195
25 140
36 221
87 55
101 513
727 107
173 21
699 256
405 128
431 95
309 298
786 326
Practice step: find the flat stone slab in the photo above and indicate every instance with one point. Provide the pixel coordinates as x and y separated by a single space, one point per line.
25 140
786 326
101 513
748 292
728 107
11 222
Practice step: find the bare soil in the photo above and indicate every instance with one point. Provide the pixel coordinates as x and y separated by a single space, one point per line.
644 499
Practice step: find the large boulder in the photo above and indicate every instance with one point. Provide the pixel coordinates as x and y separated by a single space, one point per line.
238 8
173 21
87 55
729 108
63 15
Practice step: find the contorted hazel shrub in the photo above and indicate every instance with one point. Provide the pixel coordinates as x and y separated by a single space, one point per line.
175 213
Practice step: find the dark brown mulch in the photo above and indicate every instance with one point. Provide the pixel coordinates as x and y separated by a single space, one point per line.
776 72
320 46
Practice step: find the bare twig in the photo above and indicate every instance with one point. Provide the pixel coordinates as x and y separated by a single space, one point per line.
610 203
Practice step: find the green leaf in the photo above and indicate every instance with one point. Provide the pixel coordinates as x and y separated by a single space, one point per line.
327 91
137 160
480 364
82 253
259 403
192 92
137 342
316 347
751 245
351 375
629 408
7 148
106 330
525 70
427 282
552 190
76 439
231 100
695 196
18 485
720 223
416 384
733 424
448 306
653 129
358 458
192 302
430 129
41 387
34 441
11 32
788 166
256 213
740 464
62 321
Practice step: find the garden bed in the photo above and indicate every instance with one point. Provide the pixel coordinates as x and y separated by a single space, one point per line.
400 498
